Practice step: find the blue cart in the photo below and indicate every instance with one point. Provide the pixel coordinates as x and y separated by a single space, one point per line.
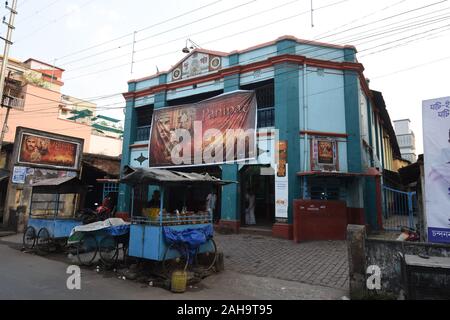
176 238
105 239
52 212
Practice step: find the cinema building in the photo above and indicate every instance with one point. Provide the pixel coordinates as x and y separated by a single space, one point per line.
324 138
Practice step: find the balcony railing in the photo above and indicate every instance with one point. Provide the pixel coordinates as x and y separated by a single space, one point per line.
143 133
13 102
266 117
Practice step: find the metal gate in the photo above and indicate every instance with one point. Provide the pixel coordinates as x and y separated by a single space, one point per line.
399 209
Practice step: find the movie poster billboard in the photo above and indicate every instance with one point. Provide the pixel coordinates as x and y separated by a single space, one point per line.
436 138
42 149
324 155
214 131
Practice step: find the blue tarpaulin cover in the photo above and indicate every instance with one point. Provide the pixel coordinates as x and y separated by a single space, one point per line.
116 231
192 237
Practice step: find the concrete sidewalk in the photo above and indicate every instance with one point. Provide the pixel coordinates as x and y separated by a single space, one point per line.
323 263
22 279
5 233
11 237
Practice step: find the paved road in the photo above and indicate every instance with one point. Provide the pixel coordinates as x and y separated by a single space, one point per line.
323 263
29 276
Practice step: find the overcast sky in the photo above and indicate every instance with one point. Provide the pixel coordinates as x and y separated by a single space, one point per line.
404 49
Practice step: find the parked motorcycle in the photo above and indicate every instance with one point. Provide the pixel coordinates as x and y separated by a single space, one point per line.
408 234
101 213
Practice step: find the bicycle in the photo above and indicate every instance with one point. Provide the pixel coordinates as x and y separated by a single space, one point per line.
107 243
181 254
176 257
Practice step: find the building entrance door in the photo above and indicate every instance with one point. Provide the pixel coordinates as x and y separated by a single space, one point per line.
262 185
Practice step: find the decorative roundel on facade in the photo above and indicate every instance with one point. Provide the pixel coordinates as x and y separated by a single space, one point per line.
215 63
176 74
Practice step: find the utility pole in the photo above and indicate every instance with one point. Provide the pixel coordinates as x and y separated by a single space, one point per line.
133 52
8 43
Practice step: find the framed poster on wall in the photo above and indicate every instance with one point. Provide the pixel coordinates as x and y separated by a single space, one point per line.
324 155
34 148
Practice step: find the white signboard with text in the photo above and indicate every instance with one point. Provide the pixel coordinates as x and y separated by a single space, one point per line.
436 139
19 175
282 194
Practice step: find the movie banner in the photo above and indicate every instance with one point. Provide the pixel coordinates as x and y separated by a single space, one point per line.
324 154
436 138
43 150
214 131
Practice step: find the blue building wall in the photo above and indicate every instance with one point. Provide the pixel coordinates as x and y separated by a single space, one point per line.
258 55
128 138
230 204
189 90
326 100
319 52
332 98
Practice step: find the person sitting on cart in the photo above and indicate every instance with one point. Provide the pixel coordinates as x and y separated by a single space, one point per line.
105 210
155 202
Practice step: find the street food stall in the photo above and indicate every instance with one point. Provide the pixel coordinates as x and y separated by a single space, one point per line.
175 228
52 214
55 221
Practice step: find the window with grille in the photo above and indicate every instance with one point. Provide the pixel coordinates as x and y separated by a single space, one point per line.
110 188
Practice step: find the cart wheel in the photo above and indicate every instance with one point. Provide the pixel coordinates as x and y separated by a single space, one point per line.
43 241
29 238
109 250
175 258
207 259
87 250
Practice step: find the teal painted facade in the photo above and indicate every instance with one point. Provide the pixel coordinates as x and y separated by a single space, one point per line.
287 119
352 121
331 104
129 136
230 204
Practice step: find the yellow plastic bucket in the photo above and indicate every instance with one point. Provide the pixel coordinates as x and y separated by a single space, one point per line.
179 281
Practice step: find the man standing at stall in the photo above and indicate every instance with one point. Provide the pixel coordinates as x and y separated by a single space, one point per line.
211 204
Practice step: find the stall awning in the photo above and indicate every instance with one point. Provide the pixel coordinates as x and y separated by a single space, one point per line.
157 176
59 185
370 173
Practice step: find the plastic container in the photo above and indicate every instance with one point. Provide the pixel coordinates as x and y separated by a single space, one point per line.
179 281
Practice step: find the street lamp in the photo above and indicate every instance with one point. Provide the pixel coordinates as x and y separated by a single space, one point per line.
193 45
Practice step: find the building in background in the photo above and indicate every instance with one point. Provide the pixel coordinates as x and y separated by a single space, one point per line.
406 139
334 131
33 91
77 110
42 106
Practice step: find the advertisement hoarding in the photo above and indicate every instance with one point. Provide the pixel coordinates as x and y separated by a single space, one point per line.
35 148
436 135
324 154
214 131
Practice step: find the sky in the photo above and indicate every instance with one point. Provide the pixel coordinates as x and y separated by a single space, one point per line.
404 45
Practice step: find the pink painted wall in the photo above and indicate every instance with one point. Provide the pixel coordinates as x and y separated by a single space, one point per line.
41 113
